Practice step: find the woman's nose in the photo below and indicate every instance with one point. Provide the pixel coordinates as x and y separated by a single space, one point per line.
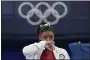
48 39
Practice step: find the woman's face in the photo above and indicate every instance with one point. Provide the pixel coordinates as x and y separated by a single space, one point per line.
47 35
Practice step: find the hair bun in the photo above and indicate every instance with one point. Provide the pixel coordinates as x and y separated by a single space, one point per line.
44 27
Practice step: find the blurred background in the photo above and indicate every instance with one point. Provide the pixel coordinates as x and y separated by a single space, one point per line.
16 32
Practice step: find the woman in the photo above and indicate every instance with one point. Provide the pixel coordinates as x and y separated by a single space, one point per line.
45 48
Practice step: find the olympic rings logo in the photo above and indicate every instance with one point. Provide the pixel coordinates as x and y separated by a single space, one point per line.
62 57
35 10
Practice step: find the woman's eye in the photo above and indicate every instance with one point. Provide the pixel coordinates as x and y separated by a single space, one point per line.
45 37
51 36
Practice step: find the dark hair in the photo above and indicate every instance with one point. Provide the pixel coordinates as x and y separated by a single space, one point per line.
43 28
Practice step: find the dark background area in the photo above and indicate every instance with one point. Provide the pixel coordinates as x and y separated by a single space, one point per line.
16 32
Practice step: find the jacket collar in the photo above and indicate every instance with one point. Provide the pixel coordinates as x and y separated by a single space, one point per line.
56 54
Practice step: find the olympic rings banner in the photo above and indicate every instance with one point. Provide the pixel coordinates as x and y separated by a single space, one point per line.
66 17
43 15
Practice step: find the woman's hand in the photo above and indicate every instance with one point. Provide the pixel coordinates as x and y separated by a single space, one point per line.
50 45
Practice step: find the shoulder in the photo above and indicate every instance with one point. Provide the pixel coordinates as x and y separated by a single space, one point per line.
61 49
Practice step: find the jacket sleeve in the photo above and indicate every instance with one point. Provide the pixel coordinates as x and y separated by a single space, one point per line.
31 49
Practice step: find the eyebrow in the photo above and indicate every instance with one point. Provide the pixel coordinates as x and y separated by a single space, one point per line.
49 35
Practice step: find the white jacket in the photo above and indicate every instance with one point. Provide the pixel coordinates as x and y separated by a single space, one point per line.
34 51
